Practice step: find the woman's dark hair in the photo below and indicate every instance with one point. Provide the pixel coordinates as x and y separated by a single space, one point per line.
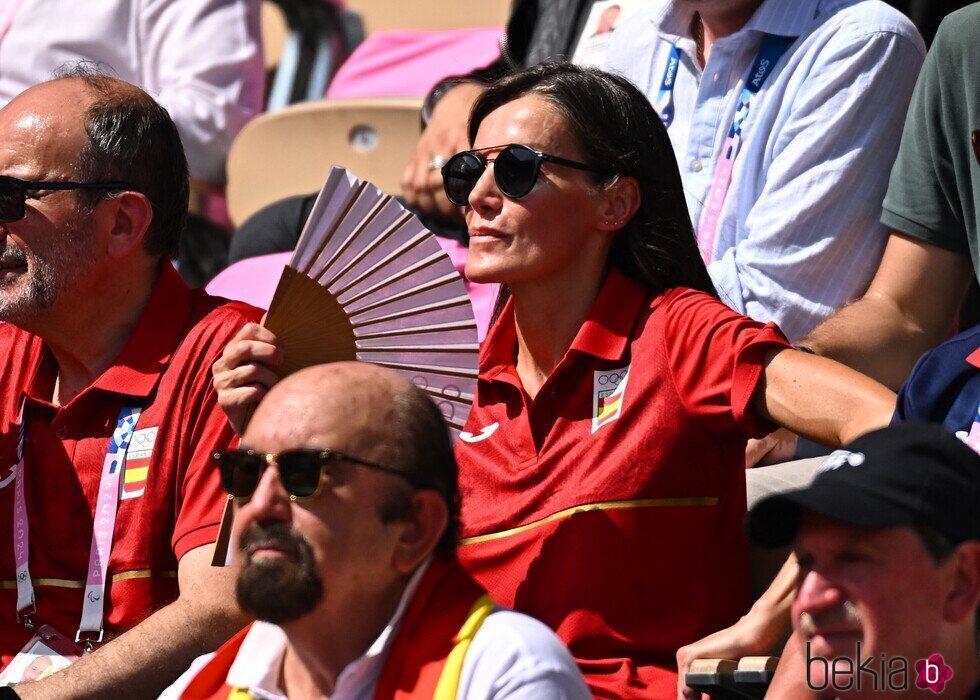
620 133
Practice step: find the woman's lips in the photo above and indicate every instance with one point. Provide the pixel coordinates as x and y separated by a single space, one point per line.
484 234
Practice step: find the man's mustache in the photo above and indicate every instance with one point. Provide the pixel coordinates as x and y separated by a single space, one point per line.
845 615
272 535
12 256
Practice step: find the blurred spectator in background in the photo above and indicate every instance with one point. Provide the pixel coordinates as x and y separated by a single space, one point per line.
888 543
349 562
811 95
201 59
933 210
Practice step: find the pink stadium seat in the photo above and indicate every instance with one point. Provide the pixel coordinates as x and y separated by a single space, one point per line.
409 63
254 281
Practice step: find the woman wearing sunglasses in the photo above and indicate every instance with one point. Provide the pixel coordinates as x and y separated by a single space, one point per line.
602 468
601 473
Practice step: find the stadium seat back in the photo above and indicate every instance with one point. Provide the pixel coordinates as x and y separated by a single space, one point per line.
410 63
383 15
291 151
275 29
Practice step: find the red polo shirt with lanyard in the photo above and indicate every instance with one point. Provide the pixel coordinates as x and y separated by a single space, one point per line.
171 495
610 507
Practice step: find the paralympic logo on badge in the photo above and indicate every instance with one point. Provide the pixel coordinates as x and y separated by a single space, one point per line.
608 390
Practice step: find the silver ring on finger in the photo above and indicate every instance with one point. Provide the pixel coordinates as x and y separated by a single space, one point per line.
437 162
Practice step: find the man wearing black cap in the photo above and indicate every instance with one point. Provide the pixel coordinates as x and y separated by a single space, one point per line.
888 543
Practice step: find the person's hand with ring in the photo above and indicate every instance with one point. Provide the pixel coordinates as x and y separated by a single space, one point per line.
443 137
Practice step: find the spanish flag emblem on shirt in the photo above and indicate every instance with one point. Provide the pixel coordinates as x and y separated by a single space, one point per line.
608 390
138 462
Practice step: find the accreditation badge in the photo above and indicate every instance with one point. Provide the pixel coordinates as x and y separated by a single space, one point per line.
138 459
47 651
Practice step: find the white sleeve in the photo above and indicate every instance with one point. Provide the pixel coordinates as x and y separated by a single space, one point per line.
812 238
202 60
173 692
514 656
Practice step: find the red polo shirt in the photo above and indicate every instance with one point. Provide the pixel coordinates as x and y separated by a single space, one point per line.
172 496
610 507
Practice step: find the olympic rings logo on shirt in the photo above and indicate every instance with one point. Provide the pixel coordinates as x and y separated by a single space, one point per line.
613 378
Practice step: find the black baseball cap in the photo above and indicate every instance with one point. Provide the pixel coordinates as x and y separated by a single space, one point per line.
905 474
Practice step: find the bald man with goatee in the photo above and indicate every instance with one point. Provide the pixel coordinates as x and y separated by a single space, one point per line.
345 523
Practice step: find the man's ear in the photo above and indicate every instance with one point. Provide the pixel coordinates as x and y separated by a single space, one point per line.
963 593
421 530
128 216
618 202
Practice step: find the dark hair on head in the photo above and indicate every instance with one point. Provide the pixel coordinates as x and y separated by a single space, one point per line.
935 543
939 548
620 134
420 446
132 139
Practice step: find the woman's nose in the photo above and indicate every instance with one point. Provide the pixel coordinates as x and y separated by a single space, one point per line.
485 194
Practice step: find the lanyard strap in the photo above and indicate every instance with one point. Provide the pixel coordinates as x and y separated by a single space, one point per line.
665 95
25 589
103 525
772 49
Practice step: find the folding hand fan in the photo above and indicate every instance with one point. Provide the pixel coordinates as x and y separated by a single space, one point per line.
368 282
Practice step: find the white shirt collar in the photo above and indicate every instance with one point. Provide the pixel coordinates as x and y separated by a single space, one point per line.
258 664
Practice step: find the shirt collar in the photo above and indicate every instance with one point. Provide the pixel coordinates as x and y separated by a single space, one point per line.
773 17
138 367
604 334
373 659
610 322
258 663
153 342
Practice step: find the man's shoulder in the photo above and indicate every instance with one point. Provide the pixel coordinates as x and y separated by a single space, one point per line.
863 18
957 34
216 316
512 651
521 632
213 309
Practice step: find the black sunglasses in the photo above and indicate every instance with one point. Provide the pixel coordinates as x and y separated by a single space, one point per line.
299 470
13 193
515 169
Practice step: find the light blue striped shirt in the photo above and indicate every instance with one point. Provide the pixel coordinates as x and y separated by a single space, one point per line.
799 233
